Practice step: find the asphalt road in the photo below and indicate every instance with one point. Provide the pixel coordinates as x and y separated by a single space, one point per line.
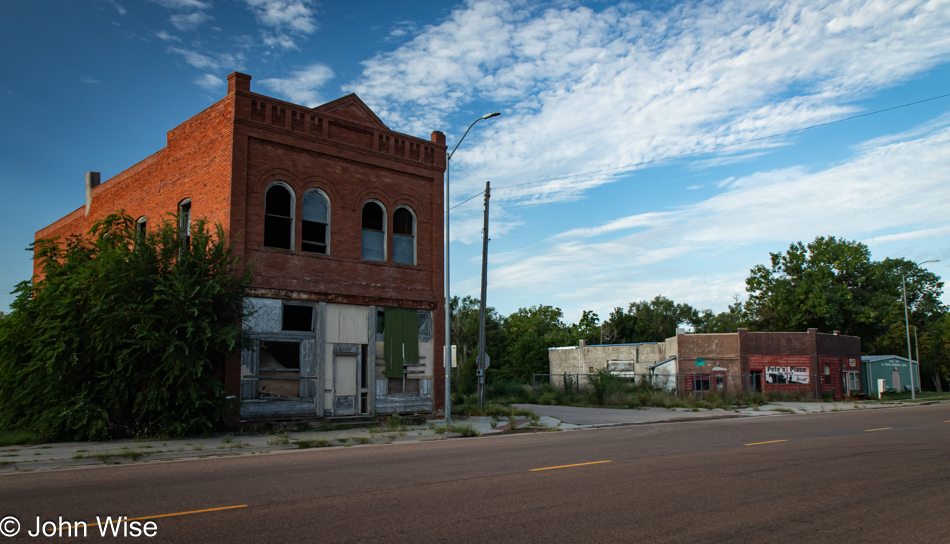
862 476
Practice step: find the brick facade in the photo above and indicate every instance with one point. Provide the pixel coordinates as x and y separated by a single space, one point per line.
224 159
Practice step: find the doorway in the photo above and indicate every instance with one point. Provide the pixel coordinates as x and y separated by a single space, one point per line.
755 381
345 383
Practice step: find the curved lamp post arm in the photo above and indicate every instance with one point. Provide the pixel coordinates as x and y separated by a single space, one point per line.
486 116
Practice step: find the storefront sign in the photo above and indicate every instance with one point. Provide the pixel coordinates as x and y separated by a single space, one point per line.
786 374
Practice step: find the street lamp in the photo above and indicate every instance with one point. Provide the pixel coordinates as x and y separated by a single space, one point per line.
910 361
447 360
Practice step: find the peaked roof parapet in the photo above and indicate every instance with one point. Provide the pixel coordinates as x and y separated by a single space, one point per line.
352 108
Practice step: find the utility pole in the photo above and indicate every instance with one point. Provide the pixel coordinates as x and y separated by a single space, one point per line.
482 361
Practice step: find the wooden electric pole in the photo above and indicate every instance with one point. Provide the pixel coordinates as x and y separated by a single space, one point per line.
482 360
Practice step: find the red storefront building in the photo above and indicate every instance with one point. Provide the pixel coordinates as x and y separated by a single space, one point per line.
342 218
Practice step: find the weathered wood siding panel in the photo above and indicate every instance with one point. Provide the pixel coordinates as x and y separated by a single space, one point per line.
347 324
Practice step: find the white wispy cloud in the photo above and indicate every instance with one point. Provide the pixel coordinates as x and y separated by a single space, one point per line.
190 21
284 19
184 4
593 91
189 14
167 36
302 86
212 62
210 82
89 80
118 7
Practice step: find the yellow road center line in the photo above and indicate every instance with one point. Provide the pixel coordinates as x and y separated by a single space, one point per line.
568 466
881 429
171 515
769 442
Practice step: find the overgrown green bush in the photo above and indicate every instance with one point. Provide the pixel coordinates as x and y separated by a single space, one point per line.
512 391
607 387
121 335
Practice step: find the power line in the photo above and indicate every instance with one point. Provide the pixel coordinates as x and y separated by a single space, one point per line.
711 149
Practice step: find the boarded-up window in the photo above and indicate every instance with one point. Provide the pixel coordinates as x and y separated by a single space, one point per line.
404 237
374 233
316 223
401 340
278 217
279 370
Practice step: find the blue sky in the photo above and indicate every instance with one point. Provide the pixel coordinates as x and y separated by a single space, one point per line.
611 182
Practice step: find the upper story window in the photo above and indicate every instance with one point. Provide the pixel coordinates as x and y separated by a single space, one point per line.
404 236
279 216
374 232
184 221
315 237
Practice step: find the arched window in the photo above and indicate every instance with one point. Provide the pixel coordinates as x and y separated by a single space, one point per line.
374 232
404 236
140 225
279 217
315 237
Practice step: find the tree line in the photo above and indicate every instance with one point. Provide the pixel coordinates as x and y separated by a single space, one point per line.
830 284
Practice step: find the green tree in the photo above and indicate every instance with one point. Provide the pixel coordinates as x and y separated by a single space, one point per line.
122 333
588 328
723 322
465 337
652 321
832 284
531 331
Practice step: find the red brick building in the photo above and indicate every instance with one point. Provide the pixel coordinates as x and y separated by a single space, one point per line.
342 218
807 363
811 363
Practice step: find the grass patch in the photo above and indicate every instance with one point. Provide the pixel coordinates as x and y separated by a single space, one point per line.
111 457
14 437
464 430
305 444
279 438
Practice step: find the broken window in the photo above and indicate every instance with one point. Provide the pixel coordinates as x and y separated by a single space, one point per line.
404 236
278 217
184 222
374 232
297 318
316 222
425 326
140 225
278 373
